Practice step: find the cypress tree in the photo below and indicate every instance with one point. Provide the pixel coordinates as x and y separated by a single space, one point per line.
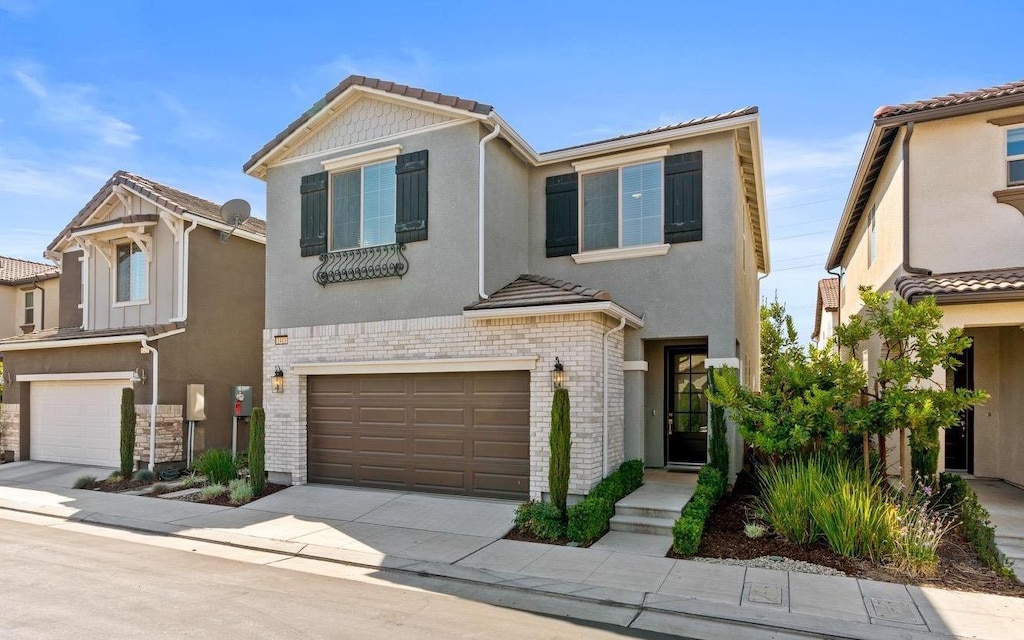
127 432
560 441
257 450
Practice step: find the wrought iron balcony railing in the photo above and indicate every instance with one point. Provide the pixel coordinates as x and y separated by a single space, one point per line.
364 263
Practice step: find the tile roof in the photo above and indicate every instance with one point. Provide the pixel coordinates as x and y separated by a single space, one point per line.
74 333
671 127
828 300
530 291
471 106
17 271
169 197
994 284
952 99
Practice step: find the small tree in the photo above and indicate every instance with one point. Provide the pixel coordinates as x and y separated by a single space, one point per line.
257 450
718 445
904 397
560 441
127 432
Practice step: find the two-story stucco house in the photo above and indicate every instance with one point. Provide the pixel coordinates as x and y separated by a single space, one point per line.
28 296
152 298
937 209
428 271
826 311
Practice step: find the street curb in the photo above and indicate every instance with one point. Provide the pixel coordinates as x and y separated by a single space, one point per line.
679 608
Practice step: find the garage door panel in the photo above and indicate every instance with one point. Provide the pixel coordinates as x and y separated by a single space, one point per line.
76 421
465 433
321 413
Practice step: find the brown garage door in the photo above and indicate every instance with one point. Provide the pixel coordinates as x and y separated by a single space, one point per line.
465 433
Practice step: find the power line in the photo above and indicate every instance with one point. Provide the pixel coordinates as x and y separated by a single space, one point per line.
803 235
817 265
805 204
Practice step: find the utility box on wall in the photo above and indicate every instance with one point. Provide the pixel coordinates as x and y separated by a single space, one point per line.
241 401
195 402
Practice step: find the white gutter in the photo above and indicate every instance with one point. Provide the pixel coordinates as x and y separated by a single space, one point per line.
183 276
85 285
480 207
85 342
147 348
604 397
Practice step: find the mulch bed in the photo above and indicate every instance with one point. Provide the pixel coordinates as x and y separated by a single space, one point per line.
959 568
119 486
518 534
224 500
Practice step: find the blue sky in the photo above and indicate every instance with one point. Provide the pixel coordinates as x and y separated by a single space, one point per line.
183 92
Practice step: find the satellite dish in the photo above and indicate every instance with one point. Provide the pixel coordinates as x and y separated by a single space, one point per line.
234 212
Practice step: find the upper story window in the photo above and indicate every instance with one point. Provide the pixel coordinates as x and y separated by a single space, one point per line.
30 307
623 207
132 276
872 237
1015 157
363 206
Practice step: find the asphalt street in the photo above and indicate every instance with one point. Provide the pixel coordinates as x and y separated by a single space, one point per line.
57 582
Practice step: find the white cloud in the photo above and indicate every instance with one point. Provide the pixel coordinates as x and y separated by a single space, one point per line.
73 107
191 125
828 157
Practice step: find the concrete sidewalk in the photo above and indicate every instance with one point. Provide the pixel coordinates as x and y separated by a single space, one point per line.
670 594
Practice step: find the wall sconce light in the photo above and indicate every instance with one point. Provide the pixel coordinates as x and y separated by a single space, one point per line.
558 375
139 376
277 381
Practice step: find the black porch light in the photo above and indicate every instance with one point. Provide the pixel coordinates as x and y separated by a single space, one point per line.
558 375
277 381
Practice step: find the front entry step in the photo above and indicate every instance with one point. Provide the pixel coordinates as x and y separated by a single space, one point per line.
642 524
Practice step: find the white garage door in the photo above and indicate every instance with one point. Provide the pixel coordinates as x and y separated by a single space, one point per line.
77 422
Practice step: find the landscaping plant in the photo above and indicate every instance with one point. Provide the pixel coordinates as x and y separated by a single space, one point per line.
718 445
211 491
257 450
160 487
919 528
218 465
588 518
144 475
541 520
84 482
240 491
127 431
560 442
689 528
956 494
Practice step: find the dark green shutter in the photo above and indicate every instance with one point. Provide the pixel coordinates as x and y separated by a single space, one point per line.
684 199
563 215
411 197
314 214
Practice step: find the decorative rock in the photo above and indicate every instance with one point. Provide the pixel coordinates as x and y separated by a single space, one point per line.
776 562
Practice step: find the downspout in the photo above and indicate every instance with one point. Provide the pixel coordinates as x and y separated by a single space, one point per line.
604 399
907 267
147 348
480 208
85 286
183 276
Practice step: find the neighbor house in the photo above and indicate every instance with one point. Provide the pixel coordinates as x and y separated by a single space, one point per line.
430 275
937 209
28 296
156 293
826 311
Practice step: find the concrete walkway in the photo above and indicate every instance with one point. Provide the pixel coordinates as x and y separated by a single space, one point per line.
358 527
1005 503
643 519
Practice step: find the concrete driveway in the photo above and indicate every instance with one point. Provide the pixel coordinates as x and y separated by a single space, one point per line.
48 474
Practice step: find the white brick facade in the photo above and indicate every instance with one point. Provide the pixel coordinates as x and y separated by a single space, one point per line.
576 339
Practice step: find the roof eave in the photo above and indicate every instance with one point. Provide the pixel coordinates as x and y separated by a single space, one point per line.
605 306
952 111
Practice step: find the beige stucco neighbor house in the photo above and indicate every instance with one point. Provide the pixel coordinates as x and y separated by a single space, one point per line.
937 209
150 298
826 311
428 270
28 296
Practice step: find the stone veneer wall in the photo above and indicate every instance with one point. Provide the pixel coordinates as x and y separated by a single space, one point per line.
10 429
168 433
576 339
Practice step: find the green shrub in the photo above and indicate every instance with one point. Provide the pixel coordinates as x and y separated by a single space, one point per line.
127 431
160 487
211 491
144 475
754 530
977 528
541 520
711 477
953 490
257 450
588 519
633 474
924 452
560 441
718 445
689 527
240 491
788 492
188 481
84 482
687 533
217 465
115 476
854 517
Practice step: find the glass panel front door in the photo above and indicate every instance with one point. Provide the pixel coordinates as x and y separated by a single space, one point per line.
687 412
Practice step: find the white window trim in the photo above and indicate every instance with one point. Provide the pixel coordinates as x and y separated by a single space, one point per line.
374 159
620 159
363 158
604 255
113 278
1007 158
27 308
619 252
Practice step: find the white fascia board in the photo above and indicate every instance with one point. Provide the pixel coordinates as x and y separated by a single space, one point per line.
606 307
57 377
75 342
851 198
436 365
620 159
758 154
364 157
221 226
634 365
647 139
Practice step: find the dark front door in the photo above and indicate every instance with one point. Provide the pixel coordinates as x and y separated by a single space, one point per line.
687 408
960 439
